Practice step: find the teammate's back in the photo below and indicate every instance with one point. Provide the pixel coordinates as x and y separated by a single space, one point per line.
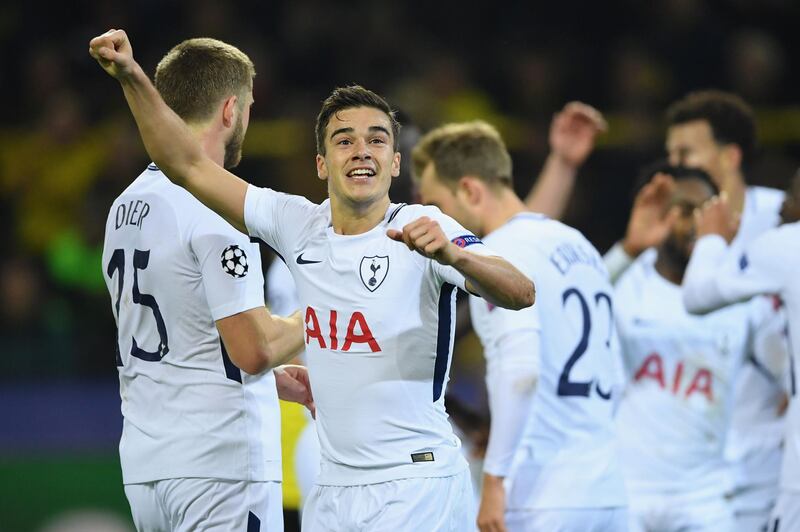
188 410
569 452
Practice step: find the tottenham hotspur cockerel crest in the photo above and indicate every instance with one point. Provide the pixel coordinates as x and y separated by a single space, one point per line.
373 271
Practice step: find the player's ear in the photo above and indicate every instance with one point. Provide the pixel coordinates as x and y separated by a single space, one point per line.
229 111
732 157
396 164
322 168
471 189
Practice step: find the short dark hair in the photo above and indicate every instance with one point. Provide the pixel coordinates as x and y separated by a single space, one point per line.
351 97
731 119
196 75
678 173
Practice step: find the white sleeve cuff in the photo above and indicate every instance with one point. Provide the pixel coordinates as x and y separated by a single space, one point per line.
617 261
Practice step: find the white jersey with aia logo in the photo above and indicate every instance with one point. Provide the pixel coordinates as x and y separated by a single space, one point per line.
379 334
174 267
568 456
682 370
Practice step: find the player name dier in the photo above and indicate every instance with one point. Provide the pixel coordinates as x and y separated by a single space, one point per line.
567 255
132 213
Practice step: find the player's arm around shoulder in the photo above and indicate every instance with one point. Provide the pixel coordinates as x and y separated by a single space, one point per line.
167 138
492 277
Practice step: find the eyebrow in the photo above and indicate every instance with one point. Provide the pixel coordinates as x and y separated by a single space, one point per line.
372 129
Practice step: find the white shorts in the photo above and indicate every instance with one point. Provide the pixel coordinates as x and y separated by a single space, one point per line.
190 504
786 514
443 504
668 513
568 520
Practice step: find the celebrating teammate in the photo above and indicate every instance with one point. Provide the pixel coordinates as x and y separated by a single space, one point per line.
677 406
551 369
768 265
377 282
200 445
715 131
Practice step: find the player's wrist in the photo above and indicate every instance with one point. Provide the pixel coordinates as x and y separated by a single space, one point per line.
705 231
451 255
631 248
131 74
491 480
564 162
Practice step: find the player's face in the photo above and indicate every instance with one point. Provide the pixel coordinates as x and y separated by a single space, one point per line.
692 144
359 161
432 191
689 195
233 147
790 210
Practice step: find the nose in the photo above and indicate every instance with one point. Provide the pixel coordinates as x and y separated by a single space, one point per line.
361 151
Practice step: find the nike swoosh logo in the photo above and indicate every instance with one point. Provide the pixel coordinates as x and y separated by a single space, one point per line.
301 260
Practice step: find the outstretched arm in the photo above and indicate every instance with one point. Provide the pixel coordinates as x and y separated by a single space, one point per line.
768 262
572 137
493 278
167 139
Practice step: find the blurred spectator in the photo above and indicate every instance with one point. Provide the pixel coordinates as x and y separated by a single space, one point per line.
755 63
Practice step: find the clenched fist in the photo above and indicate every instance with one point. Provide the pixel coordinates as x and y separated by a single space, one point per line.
114 53
426 237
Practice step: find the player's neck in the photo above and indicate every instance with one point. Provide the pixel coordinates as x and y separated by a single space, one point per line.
212 145
669 267
736 189
357 219
500 210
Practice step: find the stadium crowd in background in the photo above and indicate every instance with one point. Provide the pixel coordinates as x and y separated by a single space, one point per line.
64 156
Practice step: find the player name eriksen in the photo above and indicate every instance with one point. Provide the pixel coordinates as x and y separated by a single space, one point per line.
567 255
133 213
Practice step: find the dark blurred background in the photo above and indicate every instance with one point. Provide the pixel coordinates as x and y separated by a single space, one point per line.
68 146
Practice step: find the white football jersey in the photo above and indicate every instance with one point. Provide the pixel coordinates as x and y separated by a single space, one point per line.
174 267
281 290
755 437
379 334
568 455
681 370
769 265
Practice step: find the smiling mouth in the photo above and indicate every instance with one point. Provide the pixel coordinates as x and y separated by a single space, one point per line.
361 173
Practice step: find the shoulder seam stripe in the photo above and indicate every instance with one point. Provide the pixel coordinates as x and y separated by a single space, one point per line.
391 216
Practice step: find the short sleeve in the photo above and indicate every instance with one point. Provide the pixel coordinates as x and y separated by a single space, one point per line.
230 267
275 217
496 323
459 236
